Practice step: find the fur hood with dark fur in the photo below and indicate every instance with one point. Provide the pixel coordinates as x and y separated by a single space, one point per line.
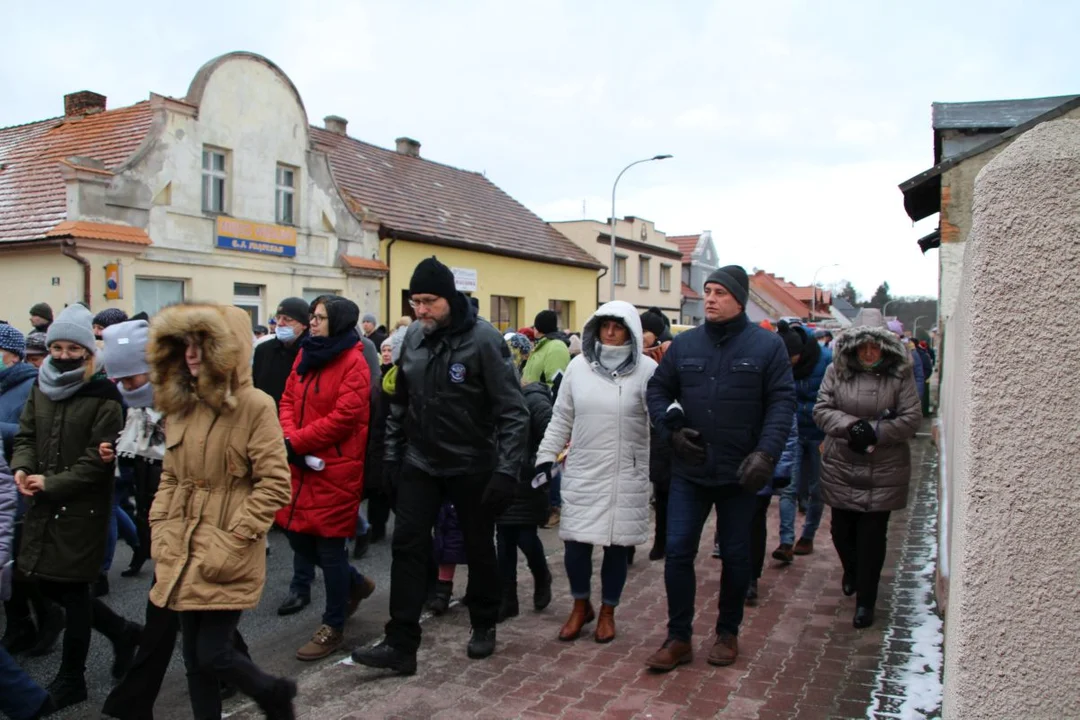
894 356
224 332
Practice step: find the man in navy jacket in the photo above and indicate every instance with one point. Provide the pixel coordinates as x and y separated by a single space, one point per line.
733 382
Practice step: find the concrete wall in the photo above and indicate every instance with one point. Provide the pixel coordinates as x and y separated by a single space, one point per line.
534 283
1009 434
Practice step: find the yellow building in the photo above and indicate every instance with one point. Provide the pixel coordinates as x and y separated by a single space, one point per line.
229 194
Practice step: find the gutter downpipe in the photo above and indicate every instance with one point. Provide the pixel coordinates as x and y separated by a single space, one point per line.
68 249
389 246
598 279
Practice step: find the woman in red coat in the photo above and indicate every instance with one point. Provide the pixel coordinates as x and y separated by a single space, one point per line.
325 413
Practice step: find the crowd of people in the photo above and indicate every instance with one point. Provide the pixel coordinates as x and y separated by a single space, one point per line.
190 436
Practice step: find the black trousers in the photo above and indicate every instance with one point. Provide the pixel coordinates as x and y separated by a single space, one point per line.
860 539
378 514
660 495
758 534
83 613
210 655
147 477
134 697
419 497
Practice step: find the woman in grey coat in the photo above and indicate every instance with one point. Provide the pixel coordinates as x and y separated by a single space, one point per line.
868 407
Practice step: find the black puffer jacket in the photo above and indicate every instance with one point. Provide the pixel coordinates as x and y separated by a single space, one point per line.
456 400
530 505
272 365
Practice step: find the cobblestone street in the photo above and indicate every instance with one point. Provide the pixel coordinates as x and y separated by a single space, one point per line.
800 656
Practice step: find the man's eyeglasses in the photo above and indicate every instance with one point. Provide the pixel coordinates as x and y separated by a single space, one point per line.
423 302
320 318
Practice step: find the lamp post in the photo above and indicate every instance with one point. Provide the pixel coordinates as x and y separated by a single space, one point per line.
885 308
915 330
613 187
813 300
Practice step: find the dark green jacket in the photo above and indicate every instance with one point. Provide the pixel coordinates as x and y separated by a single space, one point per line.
66 525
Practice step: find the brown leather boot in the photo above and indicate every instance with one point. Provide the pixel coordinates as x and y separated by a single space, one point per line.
671 655
581 614
725 651
605 626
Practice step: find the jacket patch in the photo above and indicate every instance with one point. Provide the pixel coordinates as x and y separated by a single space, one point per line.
457 373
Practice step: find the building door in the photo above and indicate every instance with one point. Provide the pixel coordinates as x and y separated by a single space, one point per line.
249 298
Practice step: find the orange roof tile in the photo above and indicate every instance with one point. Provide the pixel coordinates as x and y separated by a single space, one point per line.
84 230
776 294
437 202
362 263
32 194
686 244
688 293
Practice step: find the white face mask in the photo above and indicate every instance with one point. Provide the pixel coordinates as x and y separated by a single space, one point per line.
284 333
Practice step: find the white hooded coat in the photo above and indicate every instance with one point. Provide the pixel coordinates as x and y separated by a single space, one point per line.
605 485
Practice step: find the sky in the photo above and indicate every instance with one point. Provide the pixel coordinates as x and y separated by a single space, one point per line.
791 123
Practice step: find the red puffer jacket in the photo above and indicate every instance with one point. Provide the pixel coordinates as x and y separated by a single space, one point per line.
326 414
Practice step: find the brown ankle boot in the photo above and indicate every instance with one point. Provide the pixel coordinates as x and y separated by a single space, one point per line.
605 626
581 614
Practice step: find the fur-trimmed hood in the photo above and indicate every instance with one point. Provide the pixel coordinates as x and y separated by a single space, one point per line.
895 360
225 335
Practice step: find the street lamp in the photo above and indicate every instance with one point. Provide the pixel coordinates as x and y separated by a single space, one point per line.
885 308
638 162
915 330
813 301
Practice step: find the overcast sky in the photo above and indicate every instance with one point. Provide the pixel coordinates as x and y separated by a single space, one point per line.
791 123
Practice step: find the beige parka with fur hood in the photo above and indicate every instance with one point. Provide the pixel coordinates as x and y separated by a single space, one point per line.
885 397
225 472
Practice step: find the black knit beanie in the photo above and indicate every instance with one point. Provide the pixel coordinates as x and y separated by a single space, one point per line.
296 309
734 279
653 322
793 341
431 277
547 321
42 310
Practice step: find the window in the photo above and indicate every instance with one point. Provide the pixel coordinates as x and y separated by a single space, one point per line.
562 308
310 294
152 294
665 278
643 271
620 269
249 298
284 198
504 312
214 177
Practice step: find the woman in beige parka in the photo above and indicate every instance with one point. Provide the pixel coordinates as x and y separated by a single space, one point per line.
868 407
224 476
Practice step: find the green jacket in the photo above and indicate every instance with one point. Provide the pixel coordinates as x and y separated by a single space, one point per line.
546 362
66 524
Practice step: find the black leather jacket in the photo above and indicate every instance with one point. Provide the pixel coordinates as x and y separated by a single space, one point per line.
457 408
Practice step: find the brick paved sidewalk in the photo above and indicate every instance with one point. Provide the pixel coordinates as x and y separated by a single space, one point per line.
800 657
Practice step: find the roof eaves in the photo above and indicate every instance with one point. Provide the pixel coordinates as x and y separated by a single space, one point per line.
913 184
388 232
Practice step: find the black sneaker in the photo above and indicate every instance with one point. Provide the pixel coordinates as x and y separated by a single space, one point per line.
386 657
542 591
124 649
278 705
482 643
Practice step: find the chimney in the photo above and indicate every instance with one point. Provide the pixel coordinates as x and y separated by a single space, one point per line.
83 102
336 124
408 146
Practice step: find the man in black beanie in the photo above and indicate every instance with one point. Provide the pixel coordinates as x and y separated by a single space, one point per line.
456 431
274 358
550 355
724 397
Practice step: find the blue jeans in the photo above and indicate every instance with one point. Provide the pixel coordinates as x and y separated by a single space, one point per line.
578 559
20 697
511 537
120 526
332 556
689 505
806 478
555 488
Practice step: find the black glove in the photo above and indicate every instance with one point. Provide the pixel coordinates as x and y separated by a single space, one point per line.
755 471
544 469
861 436
779 483
391 476
688 446
292 456
499 493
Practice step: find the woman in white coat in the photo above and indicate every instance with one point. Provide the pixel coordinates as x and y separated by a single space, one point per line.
601 411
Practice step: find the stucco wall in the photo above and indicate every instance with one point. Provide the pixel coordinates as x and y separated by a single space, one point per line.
1011 432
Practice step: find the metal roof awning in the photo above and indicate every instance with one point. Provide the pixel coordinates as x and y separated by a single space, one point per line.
930 242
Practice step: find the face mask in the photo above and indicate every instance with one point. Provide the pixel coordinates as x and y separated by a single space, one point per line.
284 333
41 328
138 398
3 364
68 365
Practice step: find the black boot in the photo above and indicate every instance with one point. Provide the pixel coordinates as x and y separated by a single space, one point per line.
137 561
360 545
482 643
658 549
385 656
67 689
864 617
508 608
440 599
50 625
278 703
542 590
124 648
847 584
20 634
752 594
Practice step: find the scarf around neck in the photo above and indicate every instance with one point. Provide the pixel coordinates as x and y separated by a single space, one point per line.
614 358
59 386
143 435
317 352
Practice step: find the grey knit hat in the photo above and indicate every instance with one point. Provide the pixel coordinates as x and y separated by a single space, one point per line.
370 317
125 349
74 324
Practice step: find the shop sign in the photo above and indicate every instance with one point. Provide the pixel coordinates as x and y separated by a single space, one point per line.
464 279
244 236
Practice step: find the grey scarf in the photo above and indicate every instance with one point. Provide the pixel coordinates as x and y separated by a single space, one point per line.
59 386
615 358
